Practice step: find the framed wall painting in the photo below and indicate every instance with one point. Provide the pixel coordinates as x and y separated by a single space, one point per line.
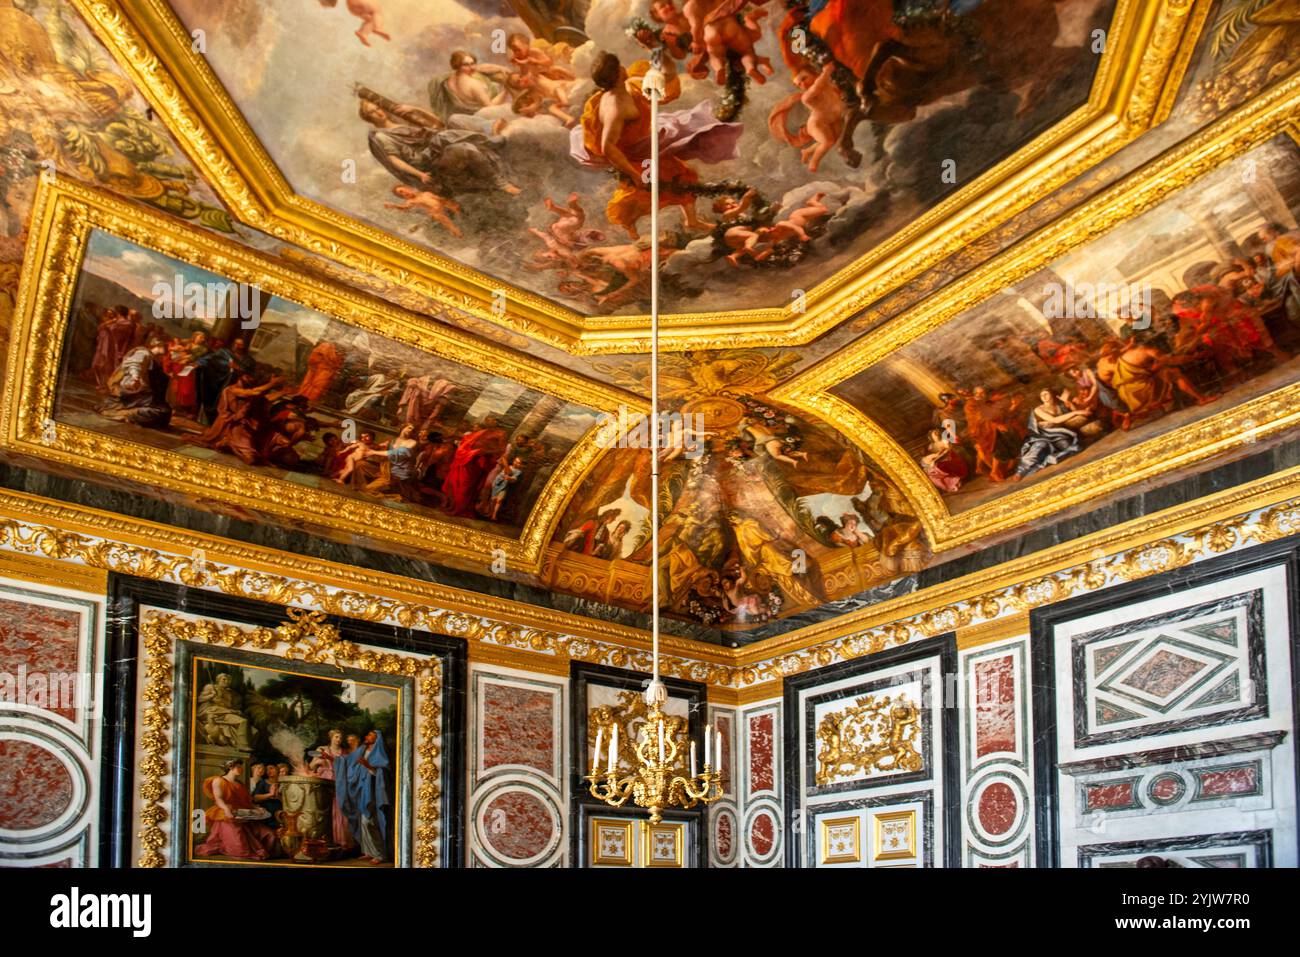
246 734
1164 706
871 775
287 763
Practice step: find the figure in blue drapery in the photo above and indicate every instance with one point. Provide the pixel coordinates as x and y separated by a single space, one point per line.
368 803
1050 438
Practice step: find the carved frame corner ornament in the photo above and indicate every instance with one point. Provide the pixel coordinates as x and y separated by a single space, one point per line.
1147 50
66 213
310 638
1267 116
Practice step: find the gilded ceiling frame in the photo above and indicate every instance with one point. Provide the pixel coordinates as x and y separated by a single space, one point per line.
64 215
1267 116
1147 53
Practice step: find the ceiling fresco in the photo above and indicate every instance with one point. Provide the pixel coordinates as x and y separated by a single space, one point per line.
766 510
800 136
1130 314
1186 310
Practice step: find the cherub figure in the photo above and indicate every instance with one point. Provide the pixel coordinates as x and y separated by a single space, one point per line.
745 241
431 204
675 32
716 32
794 226
369 14
555 256
538 83
569 219
730 209
825 123
629 260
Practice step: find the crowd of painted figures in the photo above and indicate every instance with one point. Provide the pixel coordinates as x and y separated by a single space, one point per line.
217 393
1232 322
241 819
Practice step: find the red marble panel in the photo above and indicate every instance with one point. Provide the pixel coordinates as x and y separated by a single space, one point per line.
998 807
1164 673
762 833
35 787
723 834
1166 789
38 640
995 706
762 762
518 727
518 825
1117 795
1227 782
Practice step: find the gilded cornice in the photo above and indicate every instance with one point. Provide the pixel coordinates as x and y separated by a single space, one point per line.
1257 512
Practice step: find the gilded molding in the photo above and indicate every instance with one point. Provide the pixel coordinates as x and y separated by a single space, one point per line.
485 654
1263 118
309 638
748 694
988 632
46 571
1148 49
65 213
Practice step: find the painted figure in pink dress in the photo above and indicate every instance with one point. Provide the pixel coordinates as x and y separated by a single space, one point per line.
323 767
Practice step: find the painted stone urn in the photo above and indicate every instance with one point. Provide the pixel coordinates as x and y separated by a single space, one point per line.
306 818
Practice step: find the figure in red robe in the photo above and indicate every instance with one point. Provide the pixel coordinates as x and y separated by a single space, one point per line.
228 835
323 364
116 336
475 456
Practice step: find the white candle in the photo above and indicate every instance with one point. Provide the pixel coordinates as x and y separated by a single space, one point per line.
661 742
707 742
693 759
718 755
595 758
613 749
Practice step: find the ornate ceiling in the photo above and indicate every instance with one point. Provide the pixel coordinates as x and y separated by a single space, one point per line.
936 271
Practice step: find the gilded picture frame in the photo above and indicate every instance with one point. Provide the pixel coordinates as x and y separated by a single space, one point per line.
1146 53
169 643
65 216
1268 116
674 832
881 822
300 828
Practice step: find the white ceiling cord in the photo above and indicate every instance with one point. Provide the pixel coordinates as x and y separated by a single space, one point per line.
652 85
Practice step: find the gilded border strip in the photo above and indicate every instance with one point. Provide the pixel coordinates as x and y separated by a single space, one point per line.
47 571
1260 512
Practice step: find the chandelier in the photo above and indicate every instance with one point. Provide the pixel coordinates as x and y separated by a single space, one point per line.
655 783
